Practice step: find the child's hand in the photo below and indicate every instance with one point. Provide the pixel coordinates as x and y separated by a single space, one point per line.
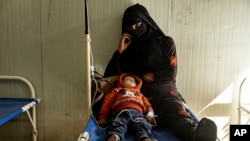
102 122
151 120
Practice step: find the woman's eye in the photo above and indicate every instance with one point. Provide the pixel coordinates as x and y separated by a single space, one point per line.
137 25
134 26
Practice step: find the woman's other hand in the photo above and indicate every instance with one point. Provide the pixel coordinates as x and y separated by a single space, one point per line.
125 41
149 77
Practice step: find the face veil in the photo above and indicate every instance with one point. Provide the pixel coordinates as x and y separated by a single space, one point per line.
144 54
136 13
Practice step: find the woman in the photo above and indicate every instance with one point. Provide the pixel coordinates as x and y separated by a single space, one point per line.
144 50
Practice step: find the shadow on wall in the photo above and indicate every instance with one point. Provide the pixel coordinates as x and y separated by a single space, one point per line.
233 103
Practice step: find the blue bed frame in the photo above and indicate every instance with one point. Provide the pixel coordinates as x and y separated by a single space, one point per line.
13 107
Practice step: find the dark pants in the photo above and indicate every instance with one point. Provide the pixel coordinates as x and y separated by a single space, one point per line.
183 127
168 106
122 120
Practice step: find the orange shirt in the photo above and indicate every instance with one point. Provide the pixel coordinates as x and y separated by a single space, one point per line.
123 98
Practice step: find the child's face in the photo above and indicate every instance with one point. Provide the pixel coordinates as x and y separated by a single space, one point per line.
129 82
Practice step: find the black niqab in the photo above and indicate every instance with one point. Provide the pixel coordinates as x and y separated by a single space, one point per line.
137 13
144 54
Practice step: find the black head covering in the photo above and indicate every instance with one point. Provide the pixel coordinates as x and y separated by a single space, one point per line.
144 54
136 13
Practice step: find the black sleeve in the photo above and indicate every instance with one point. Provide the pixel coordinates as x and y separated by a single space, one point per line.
112 67
169 45
169 70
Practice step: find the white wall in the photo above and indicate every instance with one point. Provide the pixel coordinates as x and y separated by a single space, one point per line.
43 40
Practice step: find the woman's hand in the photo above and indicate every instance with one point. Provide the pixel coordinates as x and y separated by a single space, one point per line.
125 41
149 77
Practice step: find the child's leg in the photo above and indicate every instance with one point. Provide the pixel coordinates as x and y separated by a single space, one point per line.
141 127
118 126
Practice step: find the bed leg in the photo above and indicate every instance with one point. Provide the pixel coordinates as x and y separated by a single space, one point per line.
33 125
84 137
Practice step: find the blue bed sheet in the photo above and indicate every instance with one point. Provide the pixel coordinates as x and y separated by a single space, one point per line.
97 133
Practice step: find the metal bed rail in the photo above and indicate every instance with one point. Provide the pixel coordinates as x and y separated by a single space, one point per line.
241 106
32 117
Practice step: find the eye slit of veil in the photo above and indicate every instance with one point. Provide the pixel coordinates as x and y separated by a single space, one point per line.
134 26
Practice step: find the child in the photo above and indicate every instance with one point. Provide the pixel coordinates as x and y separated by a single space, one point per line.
127 105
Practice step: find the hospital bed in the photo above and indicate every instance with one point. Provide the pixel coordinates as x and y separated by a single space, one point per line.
93 132
12 107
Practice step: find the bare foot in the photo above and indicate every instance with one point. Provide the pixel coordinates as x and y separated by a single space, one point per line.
113 137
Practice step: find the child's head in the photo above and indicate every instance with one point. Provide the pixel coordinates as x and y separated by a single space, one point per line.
129 81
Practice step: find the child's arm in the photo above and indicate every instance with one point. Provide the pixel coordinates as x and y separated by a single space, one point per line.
150 117
106 107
